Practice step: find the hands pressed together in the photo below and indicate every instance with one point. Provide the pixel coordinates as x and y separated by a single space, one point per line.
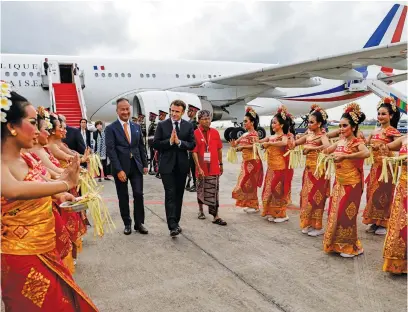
174 138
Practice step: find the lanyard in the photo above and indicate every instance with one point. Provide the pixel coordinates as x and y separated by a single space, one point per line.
209 137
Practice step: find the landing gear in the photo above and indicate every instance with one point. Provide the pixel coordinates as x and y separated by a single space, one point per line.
227 133
261 133
233 133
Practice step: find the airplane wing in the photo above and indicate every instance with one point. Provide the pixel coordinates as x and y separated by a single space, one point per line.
347 66
395 78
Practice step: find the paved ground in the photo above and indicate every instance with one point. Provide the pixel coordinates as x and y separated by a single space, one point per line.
249 265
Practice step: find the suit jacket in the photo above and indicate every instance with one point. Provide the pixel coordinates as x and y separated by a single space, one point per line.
119 150
74 140
173 155
88 137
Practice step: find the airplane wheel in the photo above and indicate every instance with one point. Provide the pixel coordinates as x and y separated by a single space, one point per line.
227 133
236 133
261 133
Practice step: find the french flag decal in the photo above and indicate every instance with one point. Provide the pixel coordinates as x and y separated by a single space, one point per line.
99 67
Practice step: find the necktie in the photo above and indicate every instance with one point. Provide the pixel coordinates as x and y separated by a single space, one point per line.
125 125
177 127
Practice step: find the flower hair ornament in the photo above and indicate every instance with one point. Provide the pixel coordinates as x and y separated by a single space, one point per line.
5 99
251 111
317 108
353 109
283 111
45 115
387 100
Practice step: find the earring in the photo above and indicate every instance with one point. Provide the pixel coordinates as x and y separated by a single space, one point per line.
13 132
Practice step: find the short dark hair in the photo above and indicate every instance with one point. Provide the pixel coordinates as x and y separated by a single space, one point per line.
83 119
98 123
179 103
120 100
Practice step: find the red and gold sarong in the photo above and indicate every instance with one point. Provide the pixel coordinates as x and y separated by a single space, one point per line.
379 194
250 178
276 193
341 231
395 245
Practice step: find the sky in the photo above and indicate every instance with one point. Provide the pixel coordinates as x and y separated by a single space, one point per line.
265 32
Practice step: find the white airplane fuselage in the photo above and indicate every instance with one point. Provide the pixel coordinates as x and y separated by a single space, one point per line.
106 79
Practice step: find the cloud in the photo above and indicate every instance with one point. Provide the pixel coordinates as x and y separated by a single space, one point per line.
262 32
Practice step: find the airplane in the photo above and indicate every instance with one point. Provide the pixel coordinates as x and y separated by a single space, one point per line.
224 88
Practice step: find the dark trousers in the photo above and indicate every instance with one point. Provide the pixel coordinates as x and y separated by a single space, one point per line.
174 191
192 169
106 168
136 182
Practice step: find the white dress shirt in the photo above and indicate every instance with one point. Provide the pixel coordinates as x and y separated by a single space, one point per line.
128 128
83 132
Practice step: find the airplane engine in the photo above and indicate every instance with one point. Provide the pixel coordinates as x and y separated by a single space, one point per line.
152 101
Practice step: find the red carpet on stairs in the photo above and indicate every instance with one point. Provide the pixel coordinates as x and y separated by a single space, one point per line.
67 102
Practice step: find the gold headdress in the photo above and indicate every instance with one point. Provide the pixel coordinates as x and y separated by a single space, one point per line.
283 111
251 111
5 99
317 108
353 109
388 100
45 115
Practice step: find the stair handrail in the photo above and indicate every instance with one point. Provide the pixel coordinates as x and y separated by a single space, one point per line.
51 93
81 99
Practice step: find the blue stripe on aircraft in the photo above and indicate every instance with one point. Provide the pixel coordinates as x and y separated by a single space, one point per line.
333 90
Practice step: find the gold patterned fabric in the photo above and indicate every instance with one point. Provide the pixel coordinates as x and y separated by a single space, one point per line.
395 245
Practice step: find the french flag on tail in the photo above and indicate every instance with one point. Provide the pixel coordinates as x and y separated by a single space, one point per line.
99 67
389 31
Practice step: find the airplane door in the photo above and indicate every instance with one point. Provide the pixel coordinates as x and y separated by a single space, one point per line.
54 71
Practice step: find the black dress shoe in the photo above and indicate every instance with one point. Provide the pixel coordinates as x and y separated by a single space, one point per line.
128 230
141 229
179 229
174 232
193 189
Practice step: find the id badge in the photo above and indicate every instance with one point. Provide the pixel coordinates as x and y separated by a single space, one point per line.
207 157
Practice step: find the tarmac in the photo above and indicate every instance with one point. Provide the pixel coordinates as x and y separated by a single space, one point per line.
248 265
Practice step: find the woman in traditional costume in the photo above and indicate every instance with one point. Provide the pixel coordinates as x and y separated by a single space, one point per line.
276 194
380 194
54 141
349 154
314 190
395 245
33 277
250 178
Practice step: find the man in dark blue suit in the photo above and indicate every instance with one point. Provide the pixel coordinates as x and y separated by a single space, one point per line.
125 149
173 138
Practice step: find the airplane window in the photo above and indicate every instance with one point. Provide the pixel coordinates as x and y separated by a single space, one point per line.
129 75
177 75
31 74
109 75
38 74
147 75
96 75
116 75
193 76
15 74
7 74
188 76
154 75
103 75
122 74
23 74
209 76
141 75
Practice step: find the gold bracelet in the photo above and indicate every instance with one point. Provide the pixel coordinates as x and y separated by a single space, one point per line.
66 185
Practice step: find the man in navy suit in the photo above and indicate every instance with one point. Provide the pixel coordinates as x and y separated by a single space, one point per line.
125 149
173 138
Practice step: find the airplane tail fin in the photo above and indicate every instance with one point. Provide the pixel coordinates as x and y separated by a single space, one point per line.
389 31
